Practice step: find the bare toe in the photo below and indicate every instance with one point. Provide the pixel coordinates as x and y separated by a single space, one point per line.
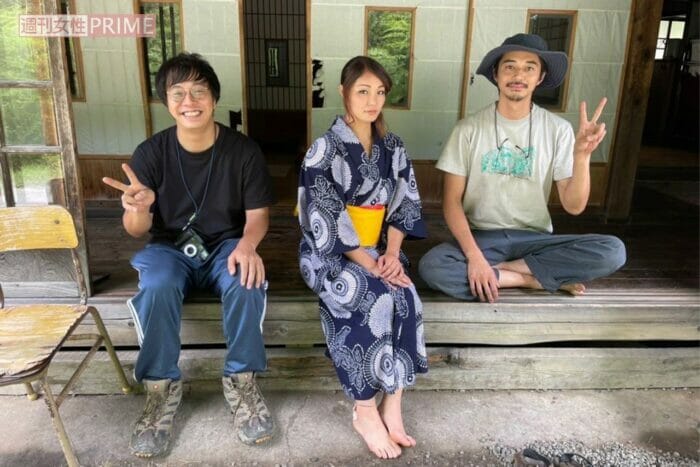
369 425
402 439
574 289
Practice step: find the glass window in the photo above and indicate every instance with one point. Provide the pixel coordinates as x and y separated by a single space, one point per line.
74 57
28 117
390 41
167 42
36 178
670 35
676 31
557 28
33 51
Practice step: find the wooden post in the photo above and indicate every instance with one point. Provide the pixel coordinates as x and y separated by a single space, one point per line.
639 67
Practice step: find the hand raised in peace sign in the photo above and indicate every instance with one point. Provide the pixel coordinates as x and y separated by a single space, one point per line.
136 196
590 133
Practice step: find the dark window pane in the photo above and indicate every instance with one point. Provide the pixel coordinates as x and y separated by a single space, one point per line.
165 44
556 29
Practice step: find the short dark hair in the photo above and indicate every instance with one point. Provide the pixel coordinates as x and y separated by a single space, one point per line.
355 68
186 67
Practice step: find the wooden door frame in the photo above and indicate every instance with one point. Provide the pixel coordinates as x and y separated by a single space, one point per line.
634 96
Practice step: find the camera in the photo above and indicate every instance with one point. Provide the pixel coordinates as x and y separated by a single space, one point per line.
192 245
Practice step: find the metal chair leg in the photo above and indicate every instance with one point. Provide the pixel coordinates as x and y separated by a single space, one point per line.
66 445
126 387
31 393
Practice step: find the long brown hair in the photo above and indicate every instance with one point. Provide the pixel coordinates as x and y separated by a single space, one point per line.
355 68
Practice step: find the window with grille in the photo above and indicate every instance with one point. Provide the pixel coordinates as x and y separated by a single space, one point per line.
167 41
669 39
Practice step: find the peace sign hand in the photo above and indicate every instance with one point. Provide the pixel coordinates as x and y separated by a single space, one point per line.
590 133
136 197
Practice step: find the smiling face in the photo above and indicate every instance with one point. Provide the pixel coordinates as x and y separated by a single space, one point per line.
365 98
191 104
518 74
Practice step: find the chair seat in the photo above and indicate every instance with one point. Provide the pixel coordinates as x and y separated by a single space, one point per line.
31 334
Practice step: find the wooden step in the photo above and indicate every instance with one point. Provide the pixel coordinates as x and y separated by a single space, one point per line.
518 318
450 369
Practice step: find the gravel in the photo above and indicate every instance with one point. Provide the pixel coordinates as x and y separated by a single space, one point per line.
609 454
496 455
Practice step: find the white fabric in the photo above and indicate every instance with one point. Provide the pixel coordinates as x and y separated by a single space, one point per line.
509 189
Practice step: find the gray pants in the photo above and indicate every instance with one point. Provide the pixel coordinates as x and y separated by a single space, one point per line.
554 260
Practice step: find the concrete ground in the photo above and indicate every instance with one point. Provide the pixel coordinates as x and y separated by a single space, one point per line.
452 427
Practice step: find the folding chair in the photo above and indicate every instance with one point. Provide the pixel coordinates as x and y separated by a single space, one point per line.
30 335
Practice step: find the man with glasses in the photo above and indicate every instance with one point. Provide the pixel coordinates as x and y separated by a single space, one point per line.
203 191
499 165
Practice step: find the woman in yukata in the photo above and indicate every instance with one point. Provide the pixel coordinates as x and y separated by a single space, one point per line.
358 200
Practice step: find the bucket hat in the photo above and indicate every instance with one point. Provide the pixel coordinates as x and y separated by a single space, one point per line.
556 62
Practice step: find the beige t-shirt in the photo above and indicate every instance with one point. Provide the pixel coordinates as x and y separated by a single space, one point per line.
509 188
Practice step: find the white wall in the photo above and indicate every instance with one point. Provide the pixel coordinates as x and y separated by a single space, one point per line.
337 34
211 29
111 120
596 63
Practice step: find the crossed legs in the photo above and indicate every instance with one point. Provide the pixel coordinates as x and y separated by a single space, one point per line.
526 259
516 273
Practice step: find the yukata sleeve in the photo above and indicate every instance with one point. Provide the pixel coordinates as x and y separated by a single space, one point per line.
405 211
324 180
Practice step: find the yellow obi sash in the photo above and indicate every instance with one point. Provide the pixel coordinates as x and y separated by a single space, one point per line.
367 221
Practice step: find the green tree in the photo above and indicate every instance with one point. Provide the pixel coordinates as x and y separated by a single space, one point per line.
389 42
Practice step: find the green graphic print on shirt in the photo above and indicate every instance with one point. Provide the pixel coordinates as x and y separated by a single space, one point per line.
509 161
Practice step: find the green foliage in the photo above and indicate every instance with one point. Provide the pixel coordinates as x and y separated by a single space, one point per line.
20 58
24 58
389 42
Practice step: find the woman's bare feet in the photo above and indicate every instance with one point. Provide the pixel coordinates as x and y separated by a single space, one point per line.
390 411
368 423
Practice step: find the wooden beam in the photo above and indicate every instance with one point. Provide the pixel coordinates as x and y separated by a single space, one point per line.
67 141
639 66
449 369
525 322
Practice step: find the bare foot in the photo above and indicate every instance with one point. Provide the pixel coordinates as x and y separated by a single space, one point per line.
368 424
573 289
390 411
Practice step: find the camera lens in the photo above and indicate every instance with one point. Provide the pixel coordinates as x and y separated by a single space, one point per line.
189 250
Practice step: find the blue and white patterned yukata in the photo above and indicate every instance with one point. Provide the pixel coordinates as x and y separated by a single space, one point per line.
374 332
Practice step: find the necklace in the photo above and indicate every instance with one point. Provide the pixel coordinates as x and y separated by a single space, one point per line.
197 207
529 137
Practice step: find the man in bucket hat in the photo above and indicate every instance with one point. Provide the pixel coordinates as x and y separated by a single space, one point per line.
499 165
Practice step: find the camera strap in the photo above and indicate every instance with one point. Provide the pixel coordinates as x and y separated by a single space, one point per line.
197 207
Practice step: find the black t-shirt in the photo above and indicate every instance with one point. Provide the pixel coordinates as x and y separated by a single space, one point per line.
239 181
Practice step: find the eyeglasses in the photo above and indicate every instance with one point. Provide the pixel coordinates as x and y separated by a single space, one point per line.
177 94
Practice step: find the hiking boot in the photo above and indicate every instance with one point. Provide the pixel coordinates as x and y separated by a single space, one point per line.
251 417
151 435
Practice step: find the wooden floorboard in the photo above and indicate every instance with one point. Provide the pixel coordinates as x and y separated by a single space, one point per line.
661 240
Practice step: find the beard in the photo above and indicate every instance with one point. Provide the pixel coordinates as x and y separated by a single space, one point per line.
514 97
